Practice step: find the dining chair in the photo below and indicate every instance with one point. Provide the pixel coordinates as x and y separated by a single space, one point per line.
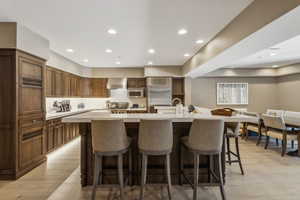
275 128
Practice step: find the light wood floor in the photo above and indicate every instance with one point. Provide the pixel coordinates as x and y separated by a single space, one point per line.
268 177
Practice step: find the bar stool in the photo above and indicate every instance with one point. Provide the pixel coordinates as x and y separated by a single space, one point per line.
205 138
109 138
233 131
155 139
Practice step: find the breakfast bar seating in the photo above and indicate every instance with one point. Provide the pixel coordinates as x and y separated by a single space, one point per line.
155 139
109 138
205 138
181 125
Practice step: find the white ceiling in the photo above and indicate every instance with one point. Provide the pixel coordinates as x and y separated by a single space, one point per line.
285 53
141 24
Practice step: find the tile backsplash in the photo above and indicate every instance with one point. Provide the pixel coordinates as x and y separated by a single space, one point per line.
91 103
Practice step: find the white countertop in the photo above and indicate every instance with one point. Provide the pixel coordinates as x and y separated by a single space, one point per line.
55 115
136 117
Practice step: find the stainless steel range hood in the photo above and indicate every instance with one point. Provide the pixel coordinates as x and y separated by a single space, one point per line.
116 83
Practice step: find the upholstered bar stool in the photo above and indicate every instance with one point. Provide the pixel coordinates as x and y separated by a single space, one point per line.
233 131
155 139
109 138
205 138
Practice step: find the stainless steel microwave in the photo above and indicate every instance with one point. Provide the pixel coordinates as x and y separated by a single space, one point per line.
136 92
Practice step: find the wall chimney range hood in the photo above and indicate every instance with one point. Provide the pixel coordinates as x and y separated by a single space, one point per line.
116 83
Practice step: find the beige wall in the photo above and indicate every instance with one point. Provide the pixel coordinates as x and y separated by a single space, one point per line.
116 72
8 33
173 71
288 92
262 92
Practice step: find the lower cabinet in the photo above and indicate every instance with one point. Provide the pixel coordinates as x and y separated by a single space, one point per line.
59 133
31 146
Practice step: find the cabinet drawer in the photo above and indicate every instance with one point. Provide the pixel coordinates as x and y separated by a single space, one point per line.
31 146
32 120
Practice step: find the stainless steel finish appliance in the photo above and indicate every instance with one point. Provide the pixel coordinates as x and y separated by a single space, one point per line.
136 92
116 83
117 105
159 91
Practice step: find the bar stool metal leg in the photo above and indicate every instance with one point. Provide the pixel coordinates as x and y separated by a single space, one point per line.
130 166
228 149
96 175
238 154
120 172
267 142
221 178
181 164
144 175
168 171
196 176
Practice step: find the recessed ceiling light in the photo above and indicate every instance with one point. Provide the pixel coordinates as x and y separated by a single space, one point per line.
152 51
108 50
186 55
70 50
273 54
150 63
112 31
199 41
275 66
86 60
182 31
118 62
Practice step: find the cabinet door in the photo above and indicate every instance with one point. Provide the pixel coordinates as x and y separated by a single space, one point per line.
99 87
31 146
73 86
59 84
66 133
58 135
67 84
31 97
178 86
49 82
50 138
85 86
141 83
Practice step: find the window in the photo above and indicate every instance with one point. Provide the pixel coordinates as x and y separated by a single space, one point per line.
232 93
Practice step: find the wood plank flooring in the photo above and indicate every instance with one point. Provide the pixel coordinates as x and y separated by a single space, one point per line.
268 177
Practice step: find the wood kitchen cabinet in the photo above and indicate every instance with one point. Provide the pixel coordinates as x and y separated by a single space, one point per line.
178 88
85 87
58 133
49 79
22 113
136 83
64 84
54 82
99 87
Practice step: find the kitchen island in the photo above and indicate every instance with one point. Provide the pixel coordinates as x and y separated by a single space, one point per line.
181 127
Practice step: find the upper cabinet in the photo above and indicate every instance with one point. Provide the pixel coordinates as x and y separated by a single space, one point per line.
136 82
64 84
61 84
85 87
31 84
178 86
98 87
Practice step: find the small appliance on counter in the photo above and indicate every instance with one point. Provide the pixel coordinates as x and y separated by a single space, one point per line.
117 105
63 106
81 106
